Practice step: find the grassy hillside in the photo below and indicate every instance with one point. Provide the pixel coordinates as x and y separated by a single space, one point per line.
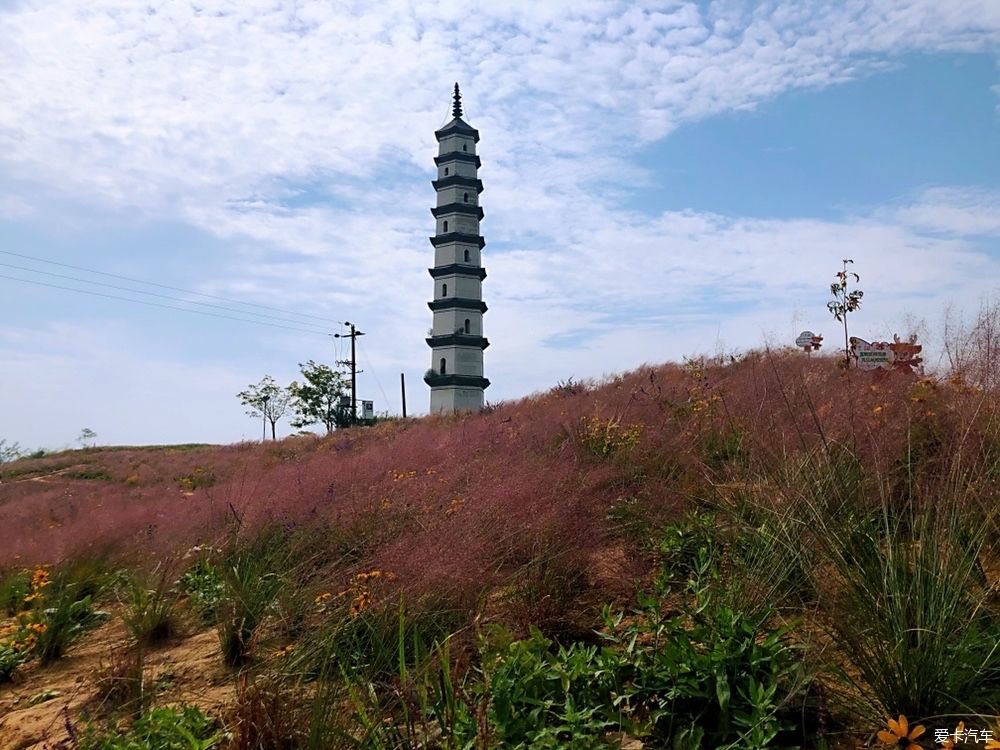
770 552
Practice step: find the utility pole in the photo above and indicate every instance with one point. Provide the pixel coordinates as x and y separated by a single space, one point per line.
353 362
402 391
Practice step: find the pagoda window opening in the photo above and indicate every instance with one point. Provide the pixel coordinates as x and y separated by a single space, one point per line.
444 290
446 171
465 146
466 256
468 327
446 226
444 366
465 197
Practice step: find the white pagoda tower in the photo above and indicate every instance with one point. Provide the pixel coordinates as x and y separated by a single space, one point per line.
457 342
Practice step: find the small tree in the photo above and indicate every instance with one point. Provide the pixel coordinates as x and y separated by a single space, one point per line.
86 434
317 400
973 348
845 300
267 401
9 451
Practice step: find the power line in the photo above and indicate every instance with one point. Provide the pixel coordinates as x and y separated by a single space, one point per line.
364 353
156 294
165 286
157 304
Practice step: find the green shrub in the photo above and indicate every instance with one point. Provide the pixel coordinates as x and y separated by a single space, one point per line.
89 472
184 728
203 584
711 676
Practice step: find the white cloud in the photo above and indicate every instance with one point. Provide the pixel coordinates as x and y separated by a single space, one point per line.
164 104
15 207
954 211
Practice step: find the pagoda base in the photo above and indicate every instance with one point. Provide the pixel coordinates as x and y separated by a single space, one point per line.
449 399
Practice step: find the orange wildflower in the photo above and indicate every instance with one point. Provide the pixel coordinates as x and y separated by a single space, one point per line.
900 734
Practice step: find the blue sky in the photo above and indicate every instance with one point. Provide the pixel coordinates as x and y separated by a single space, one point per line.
661 179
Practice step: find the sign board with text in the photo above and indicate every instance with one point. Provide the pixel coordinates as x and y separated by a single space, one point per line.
871 355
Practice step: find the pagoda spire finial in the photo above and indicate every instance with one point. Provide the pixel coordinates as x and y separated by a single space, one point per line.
456 108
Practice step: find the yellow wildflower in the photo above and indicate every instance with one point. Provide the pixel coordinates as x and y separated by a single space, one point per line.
40 578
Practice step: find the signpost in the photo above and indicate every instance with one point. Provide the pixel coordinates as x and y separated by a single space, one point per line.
884 355
809 341
871 355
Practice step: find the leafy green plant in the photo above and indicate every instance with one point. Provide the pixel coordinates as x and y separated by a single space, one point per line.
204 586
183 728
543 697
12 655
712 676
707 676
200 476
14 588
606 437
682 542
62 608
64 620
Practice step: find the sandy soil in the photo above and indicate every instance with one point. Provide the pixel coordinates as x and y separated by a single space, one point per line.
37 709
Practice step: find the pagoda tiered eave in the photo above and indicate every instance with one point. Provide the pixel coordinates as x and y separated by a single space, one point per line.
470 239
458 156
458 339
458 181
457 303
458 208
467 381
457 269
458 126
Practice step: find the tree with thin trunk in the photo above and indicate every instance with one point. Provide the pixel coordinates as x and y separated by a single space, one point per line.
319 398
9 451
845 300
87 434
266 401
